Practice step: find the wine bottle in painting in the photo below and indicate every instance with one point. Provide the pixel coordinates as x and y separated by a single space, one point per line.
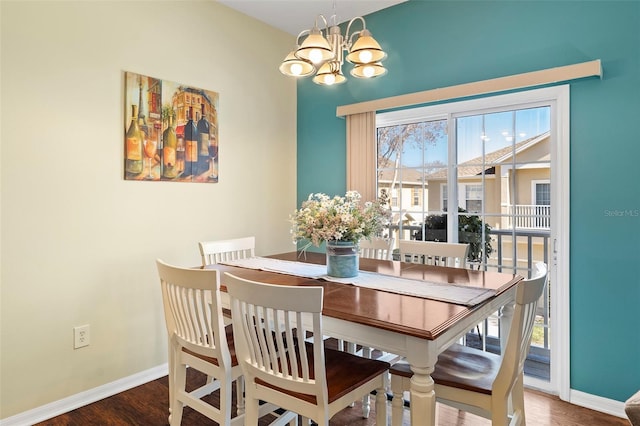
142 118
190 146
133 158
180 154
145 134
213 158
157 130
203 145
169 147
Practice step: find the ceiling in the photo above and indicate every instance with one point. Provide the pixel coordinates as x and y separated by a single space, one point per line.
294 16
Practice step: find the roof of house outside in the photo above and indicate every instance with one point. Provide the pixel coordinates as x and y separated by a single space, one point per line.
468 169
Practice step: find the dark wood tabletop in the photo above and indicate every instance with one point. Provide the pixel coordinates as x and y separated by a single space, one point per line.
409 315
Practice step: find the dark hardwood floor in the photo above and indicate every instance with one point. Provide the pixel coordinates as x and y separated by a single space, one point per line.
148 405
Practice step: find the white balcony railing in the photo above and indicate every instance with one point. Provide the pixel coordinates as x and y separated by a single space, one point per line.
527 216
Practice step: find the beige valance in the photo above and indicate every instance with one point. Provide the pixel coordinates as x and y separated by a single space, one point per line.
495 85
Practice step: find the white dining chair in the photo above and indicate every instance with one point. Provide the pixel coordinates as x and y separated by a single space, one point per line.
479 382
376 248
299 376
198 339
212 252
382 249
434 253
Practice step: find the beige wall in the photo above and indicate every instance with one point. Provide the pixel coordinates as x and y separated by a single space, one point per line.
524 179
78 241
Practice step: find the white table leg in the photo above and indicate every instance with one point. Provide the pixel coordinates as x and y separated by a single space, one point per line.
423 397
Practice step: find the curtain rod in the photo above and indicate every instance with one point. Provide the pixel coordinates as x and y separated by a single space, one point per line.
500 84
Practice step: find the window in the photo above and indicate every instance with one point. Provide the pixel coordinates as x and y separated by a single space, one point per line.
408 156
472 201
445 197
394 198
541 196
542 193
473 198
415 197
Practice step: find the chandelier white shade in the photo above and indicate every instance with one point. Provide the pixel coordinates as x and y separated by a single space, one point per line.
368 70
330 73
322 52
315 48
296 67
365 50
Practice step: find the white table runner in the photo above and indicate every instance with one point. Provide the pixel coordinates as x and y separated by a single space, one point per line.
450 293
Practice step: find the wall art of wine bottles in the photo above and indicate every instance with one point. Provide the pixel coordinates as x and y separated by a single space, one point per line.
170 132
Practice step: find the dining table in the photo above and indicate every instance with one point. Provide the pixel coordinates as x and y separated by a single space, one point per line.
415 327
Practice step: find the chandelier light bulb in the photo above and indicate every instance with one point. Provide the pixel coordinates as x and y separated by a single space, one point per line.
368 71
329 79
315 56
365 56
296 69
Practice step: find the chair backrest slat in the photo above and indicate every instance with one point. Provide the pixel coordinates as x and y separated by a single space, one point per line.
376 248
212 252
434 253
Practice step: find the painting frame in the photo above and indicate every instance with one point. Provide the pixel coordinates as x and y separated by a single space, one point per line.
171 131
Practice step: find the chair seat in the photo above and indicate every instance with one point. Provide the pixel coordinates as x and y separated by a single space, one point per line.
345 372
460 367
232 349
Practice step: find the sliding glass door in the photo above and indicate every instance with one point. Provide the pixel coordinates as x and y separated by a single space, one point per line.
479 172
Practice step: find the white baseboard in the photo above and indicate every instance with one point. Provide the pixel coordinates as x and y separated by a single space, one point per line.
598 403
65 405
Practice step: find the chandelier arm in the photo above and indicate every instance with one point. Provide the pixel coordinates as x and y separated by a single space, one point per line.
326 24
349 43
333 20
364 27
302 33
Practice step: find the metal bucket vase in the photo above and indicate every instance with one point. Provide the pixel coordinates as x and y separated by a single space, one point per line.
343 259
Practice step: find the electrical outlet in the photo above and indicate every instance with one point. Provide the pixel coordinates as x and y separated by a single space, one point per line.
81 336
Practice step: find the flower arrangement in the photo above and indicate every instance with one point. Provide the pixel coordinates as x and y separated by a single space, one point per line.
321 218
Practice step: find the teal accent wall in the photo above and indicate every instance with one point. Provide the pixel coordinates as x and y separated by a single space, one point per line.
435 44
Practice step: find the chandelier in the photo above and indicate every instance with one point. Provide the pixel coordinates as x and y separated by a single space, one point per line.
323 52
